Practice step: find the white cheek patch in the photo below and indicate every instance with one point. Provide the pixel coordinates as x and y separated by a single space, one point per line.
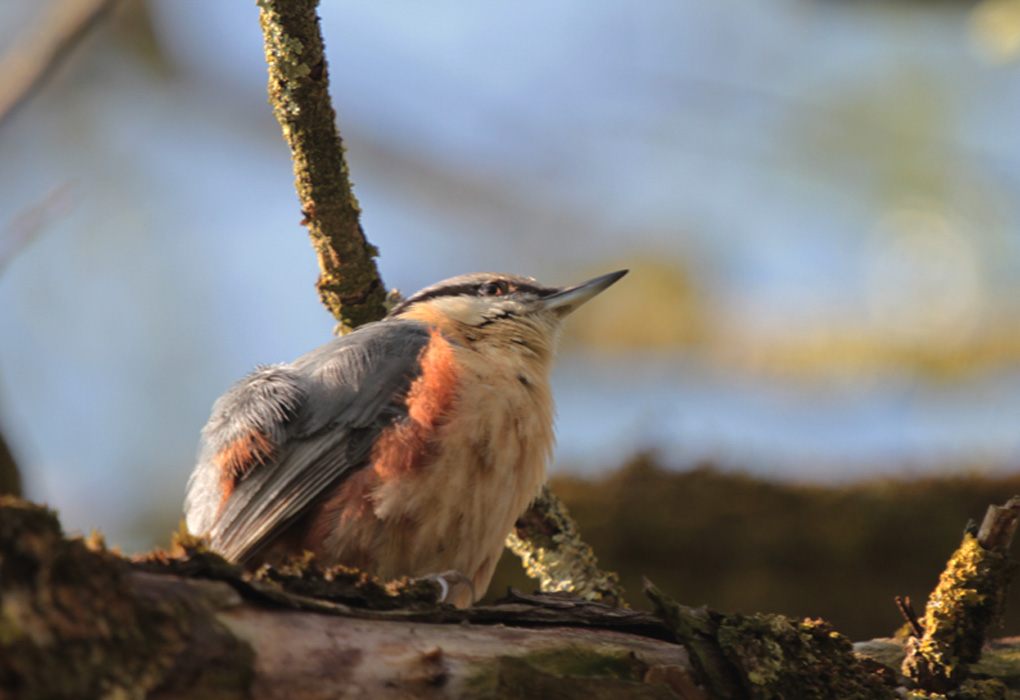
464 309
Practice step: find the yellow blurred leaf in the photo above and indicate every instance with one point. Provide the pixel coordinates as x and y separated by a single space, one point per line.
995 29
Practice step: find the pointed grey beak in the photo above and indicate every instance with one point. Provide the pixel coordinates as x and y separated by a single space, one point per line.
565 300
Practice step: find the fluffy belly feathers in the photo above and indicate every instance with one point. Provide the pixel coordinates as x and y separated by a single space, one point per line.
446 486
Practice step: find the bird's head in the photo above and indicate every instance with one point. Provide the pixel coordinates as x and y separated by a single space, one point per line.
500 310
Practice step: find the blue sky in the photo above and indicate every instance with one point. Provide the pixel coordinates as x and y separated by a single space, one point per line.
769 148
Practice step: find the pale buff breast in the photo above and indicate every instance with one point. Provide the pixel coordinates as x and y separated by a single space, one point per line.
486 461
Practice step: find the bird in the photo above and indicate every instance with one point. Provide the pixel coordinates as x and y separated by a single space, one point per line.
405 448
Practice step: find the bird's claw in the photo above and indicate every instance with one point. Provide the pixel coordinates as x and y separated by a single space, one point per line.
454 587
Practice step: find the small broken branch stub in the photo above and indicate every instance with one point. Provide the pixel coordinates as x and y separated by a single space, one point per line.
967 600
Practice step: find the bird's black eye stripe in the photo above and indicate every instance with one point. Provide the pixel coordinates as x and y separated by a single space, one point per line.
493 288
537 291
432 293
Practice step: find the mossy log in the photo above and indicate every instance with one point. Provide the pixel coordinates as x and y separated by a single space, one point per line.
78 621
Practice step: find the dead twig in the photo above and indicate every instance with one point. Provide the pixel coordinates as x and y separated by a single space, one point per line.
907 610
32 221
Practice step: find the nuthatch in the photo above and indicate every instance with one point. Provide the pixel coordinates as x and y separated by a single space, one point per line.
406 448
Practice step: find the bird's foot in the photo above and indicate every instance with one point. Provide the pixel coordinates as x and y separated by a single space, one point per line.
454 588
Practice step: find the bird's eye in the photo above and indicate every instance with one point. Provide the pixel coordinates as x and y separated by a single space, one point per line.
492 289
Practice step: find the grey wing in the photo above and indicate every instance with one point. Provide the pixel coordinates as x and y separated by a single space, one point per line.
285 434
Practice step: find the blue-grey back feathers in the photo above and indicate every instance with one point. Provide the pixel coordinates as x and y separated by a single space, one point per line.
321 415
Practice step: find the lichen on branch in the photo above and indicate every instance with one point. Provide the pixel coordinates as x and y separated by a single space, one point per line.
547 541
349 284
968 599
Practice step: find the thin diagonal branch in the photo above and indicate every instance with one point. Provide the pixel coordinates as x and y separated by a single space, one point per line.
32 221
349 285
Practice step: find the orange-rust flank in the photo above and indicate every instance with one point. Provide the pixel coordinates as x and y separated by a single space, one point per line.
409 445
349 501
243 454
238 458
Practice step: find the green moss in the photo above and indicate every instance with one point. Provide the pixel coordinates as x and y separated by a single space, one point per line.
697 629
576 661
11 629
565 674
73 606
287 70
998 660
341 584
782 658
985 689
190 556
769 656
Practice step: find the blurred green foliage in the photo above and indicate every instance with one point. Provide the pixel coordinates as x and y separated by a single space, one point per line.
742 544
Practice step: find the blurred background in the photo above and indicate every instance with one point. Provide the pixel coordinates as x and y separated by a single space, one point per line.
817 200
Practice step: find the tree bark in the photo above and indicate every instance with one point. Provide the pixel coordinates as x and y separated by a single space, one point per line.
77 621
